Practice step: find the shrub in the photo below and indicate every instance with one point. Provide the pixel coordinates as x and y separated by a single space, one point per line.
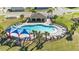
55 16
71 7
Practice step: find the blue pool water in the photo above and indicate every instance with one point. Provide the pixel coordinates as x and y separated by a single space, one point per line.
38 27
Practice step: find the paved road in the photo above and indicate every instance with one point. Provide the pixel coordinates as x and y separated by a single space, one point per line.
57 11
61 10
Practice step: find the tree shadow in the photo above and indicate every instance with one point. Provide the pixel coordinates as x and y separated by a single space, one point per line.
38 46
25 48
69 36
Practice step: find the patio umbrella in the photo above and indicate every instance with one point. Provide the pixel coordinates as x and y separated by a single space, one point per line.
15 33
9 30
24 34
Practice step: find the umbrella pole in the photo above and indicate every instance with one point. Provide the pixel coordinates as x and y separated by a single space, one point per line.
9 37
19 39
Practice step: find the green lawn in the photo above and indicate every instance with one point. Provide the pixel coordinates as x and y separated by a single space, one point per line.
4 48
7 48
66 20
8 22
16 48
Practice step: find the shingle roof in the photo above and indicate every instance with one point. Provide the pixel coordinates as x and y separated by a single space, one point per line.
37 15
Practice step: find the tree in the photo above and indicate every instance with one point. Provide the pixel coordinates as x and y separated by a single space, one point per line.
22 16
39 40
50 11
71 7
69 37
34 33
13 42
46 34
33 10
21 19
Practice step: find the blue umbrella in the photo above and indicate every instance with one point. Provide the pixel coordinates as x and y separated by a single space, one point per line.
8 30
15 33
24 34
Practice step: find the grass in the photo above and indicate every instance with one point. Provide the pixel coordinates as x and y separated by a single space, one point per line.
75 14
16 48
8 22
77 30
65 20
7 48
1 18
4 48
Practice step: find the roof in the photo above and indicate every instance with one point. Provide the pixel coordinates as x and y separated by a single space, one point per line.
37 15
17 9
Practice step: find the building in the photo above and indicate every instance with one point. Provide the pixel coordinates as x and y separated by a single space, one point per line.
16 9
37 17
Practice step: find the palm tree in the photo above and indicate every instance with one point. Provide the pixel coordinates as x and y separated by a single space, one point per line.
13 42
21 19
46 34
39 40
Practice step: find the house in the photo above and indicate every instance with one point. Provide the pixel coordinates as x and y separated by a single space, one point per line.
37 17
16 9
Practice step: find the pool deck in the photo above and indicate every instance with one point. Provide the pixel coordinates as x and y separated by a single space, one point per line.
31 24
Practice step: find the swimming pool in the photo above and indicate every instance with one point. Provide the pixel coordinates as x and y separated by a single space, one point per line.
39 27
